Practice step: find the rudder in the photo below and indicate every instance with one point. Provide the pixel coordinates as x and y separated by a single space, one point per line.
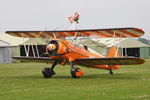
113 53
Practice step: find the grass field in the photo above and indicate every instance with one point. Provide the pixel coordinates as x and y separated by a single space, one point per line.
24 81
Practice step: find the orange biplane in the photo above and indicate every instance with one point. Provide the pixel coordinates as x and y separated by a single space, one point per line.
65 52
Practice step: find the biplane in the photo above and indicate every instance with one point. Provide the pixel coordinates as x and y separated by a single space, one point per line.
64 52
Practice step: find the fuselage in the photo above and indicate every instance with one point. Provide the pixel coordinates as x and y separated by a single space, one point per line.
67 51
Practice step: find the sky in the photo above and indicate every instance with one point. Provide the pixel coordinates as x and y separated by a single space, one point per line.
52 14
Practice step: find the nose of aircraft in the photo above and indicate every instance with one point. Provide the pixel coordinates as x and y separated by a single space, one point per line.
51 47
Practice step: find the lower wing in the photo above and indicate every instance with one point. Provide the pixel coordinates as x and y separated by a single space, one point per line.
89 61
35 59
109 61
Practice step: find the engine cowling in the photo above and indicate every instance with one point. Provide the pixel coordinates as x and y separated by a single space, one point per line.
56 47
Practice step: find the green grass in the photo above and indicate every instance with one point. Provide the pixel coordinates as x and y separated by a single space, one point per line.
24 81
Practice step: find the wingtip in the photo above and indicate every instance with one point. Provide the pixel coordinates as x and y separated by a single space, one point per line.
139 30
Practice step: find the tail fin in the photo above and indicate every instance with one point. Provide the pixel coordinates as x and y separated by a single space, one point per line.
113 53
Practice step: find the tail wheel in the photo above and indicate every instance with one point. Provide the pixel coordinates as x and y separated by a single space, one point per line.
111 72
76 72
48 72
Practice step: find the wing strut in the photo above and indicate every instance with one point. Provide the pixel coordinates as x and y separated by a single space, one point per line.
37 49
33 49
114 42
115 50
27 47
54 35
27 53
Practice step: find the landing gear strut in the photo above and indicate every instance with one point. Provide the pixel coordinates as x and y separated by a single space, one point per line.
111 72
75 71
49 72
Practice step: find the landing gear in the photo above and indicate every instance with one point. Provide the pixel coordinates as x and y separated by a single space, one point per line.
75 71
49 72
111 72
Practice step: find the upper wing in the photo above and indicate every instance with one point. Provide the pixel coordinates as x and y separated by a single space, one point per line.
119 32
109 61
35 59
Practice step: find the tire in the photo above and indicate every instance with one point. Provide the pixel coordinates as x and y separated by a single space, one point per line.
74 72
111 72
47 72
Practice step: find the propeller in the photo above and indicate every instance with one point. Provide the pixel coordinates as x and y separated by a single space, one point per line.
51 47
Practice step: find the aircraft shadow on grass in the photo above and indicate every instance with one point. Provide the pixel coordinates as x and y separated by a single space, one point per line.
92 76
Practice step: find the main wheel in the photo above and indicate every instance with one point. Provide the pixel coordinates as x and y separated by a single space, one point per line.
76 72
47 72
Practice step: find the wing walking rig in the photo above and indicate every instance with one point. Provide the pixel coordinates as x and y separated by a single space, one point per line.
64 52
75 18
